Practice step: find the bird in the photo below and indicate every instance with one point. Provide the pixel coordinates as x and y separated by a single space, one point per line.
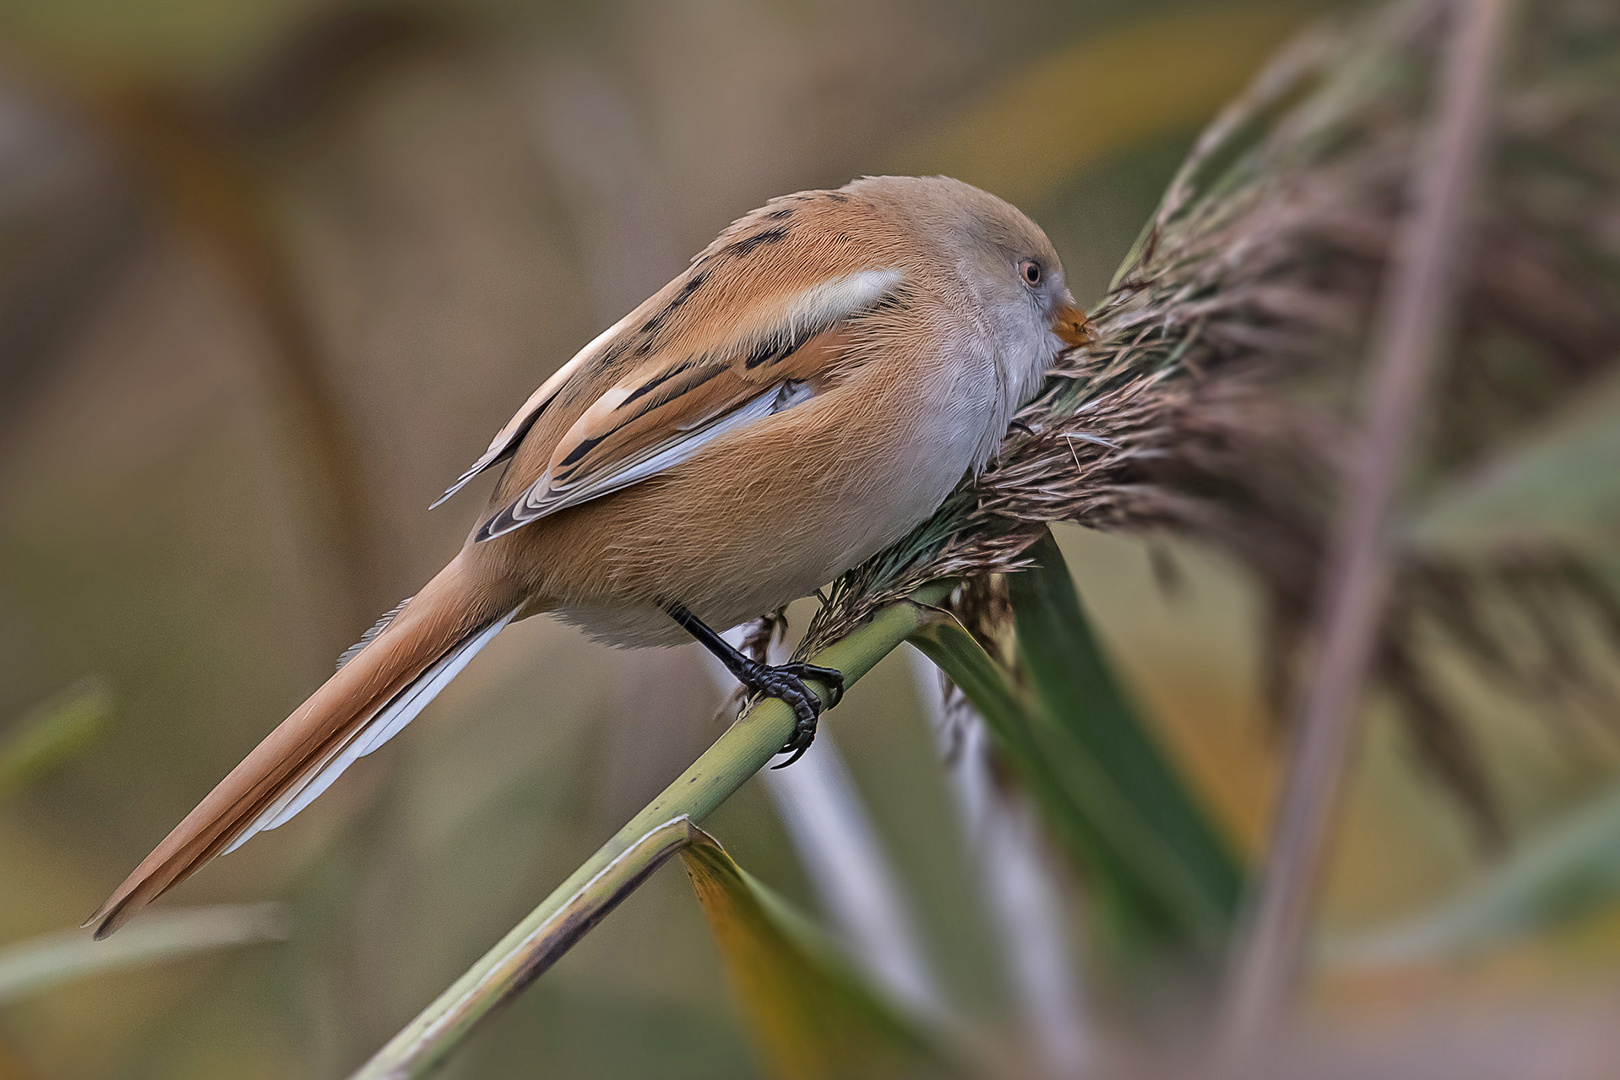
810 389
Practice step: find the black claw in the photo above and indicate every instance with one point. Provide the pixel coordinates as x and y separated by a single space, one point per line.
831 678
787 682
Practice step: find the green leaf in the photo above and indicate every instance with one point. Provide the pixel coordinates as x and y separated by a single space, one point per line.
813 1015
1566 873
53 733
37 964
1158 869
1201 883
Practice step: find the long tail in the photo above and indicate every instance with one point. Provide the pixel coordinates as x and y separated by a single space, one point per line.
410 658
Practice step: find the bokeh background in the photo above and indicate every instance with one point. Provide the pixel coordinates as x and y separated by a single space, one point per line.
270 276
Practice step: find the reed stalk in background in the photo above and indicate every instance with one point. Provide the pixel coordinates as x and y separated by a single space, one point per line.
1407 353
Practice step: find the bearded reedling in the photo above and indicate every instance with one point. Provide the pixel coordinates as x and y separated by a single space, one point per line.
810 389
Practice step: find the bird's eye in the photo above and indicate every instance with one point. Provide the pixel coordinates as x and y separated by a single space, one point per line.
1030 271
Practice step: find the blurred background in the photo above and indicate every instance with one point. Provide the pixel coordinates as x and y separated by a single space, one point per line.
271 274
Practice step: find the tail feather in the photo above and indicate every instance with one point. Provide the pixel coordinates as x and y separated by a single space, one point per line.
388 721
368 701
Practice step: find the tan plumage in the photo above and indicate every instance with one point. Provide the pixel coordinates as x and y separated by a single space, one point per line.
810 389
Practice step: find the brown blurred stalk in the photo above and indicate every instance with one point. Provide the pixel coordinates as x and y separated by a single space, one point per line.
207 186
1420 297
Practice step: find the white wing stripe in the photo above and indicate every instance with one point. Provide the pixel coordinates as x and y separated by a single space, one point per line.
815 307
542 499
804 314
656 458
832 300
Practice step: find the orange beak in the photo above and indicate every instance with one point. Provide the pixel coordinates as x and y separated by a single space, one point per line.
1069 323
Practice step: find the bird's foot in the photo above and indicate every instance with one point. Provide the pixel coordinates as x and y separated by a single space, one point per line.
786 681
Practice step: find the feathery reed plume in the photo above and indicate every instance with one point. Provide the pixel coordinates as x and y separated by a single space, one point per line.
1212 400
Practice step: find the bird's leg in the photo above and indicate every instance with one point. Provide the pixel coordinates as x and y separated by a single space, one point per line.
785 681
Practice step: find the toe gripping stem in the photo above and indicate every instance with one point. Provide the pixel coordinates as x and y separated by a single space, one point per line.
785 681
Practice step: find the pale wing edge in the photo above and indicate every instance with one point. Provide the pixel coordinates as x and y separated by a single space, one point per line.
506 440
814 310
541 499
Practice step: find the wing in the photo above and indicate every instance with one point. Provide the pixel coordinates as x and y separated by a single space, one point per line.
668 408
506 440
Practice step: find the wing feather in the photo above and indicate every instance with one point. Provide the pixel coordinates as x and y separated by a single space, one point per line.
506 440
672 406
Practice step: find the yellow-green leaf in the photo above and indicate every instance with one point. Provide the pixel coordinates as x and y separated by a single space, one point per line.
813 1016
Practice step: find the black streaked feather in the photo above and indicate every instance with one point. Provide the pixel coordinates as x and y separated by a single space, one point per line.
584 447
773 235
660 379
696 379
764 351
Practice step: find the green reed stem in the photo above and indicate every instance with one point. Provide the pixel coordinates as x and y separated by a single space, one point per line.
661 829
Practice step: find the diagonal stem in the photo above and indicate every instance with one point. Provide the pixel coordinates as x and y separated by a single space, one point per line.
1422 289
620 865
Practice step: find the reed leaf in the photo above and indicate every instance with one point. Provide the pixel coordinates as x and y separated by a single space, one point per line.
812 1013
1083 697
1555 487
1568 872
54 732
37 964
1159 874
